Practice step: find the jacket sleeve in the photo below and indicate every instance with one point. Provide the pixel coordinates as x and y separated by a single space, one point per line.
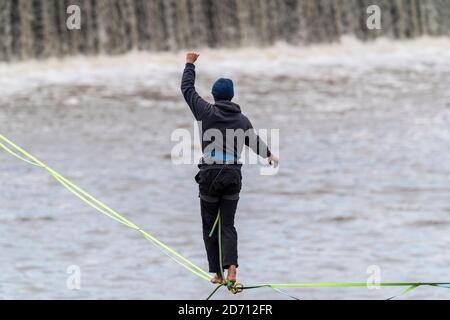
197 104
254 142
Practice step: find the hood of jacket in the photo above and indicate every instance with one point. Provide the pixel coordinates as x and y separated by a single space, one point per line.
228 106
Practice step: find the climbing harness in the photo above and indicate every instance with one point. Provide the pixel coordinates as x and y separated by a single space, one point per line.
233 287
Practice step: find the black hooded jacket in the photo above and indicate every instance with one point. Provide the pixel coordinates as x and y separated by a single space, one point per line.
220 116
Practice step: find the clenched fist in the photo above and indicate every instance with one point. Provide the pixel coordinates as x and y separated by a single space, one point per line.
191 57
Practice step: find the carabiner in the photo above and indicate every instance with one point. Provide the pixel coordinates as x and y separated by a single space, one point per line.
236 288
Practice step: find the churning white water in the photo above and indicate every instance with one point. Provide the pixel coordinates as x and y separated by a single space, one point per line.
364 176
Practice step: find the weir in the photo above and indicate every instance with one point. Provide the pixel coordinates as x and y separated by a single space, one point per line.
37 28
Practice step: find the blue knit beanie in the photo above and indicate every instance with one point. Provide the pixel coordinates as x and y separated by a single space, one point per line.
223 89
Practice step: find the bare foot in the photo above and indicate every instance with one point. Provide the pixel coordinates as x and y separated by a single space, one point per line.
232 273
217 279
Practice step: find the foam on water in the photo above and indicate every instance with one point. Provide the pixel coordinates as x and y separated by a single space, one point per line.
282 60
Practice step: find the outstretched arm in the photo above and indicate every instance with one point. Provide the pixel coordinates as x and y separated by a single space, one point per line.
198 105
254 142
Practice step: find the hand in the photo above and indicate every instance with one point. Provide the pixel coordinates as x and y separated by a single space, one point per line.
274 161
191 57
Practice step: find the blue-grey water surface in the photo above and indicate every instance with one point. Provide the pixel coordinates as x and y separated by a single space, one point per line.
364 176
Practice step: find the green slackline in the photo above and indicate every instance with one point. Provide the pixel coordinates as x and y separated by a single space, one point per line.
220 244
23 155
237 287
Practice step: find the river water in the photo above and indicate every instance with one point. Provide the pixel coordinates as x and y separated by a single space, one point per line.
364 176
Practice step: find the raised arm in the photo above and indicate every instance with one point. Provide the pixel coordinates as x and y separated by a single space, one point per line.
198 105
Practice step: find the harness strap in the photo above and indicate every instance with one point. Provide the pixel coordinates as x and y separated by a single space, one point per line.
210 199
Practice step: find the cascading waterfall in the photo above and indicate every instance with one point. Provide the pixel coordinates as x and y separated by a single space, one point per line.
37 28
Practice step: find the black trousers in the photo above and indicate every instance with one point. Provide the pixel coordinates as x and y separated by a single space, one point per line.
219 190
